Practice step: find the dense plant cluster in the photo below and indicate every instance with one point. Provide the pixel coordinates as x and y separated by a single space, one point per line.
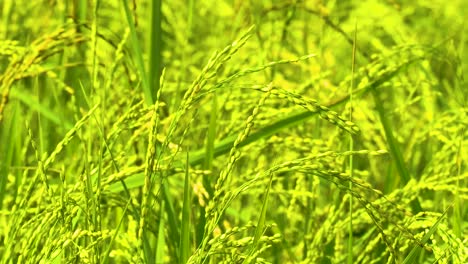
233 131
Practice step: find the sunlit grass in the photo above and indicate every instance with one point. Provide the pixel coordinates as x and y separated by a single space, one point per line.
232 132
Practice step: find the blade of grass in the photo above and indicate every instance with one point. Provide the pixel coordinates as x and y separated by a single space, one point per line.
161 243
210 144
81 74
136 215
6 152
416 251
109 245
184 245
36 105
457 219
155 46
95 197
351 147
138 53
208 165
261 222
172 219
395 151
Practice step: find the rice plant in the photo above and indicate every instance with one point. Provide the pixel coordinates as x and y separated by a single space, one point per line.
233 132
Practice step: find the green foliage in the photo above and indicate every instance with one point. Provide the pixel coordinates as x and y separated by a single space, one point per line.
233 132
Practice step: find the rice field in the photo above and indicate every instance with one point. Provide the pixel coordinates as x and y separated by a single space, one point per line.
269 131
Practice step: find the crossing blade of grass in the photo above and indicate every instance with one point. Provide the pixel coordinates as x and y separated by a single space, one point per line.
109 245
394 148
261 223
184 245
138 54
416 251
146 245
45 112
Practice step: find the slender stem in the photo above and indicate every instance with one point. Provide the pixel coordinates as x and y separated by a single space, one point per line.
351 147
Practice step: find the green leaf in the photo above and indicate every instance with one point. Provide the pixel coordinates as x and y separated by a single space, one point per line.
184 245
261 221
161 243
138 53
416 251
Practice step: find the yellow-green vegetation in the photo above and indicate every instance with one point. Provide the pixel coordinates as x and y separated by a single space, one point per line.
233 131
